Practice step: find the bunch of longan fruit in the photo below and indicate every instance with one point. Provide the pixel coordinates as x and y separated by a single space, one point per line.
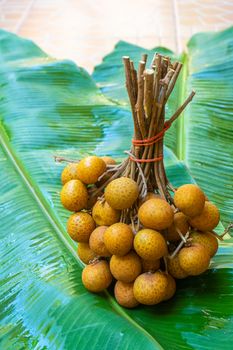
171 241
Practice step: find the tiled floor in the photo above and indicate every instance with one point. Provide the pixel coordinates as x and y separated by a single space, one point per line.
86 30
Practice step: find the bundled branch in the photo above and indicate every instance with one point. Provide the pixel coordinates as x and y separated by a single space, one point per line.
148 90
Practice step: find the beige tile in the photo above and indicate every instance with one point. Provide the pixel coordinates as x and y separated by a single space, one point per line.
85 31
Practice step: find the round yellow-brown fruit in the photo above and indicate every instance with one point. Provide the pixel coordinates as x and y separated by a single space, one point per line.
150 244
180 223
69 173
194 259
150 288
80 226
118 238
121 193
74 195
125 268
207 239
156 214
190 199
171 287
97 276
104 215
175 269
89 169
96 242
85 253
150 265
208 219
124 294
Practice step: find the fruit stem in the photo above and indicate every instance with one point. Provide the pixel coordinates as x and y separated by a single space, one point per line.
165 264
180 245
225 232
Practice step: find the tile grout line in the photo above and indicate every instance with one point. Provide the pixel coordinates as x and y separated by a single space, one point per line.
24 16
177 27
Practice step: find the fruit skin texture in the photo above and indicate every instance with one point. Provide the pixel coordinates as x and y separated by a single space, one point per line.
85 253
150 244
89 169
74 195
208 219
79 226
150 288
150 265
104 215
171 287
207 239
190 199
121 193
124 294
156 214
180 222
69 173
175 269
194 259
125 268
96 242
96 276
118 238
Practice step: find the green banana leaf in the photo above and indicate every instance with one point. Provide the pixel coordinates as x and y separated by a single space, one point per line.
47 108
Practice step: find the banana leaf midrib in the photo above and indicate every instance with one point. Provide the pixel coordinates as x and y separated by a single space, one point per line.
58 227
182 122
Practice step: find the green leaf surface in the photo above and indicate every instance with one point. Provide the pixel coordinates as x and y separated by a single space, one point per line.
209 120
50 107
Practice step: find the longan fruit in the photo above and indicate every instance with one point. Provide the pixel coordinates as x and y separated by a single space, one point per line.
104 215
175 269
207 239
85 253
150 265
181 223
208 219
79 226
125 268
118 238
124 294
74 195
194 259
89 169
121 193
69 173
97 276
171 287
156 214
190 199
150 288
96 242
150 244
